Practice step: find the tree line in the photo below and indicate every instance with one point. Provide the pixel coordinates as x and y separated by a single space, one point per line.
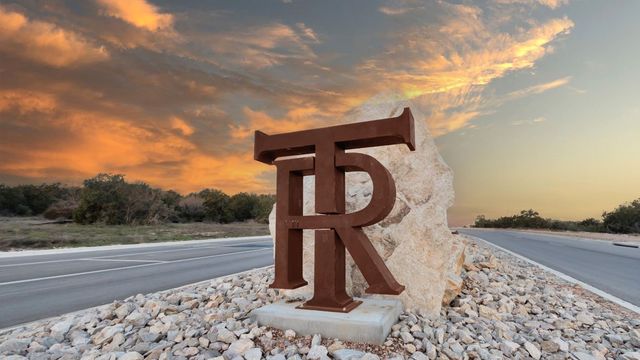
110 199
625 219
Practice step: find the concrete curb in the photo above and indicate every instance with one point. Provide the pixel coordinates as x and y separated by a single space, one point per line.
72 250
5 330
565 277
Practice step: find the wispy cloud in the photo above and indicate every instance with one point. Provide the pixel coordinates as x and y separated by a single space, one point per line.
265 46
447 66
400 7
533 121
553 4
536 89
44 42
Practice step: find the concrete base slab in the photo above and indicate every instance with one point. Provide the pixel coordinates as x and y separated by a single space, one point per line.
368 323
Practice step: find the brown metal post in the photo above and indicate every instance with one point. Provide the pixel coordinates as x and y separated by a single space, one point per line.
329 275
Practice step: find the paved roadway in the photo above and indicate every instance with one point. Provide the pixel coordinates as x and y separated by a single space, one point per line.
612 269
39 286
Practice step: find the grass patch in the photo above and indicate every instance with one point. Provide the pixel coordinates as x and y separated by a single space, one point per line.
37 233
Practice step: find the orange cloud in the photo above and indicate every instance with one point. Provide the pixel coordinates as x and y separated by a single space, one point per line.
138 13
182 126
297 119
45 42
25 102
95 142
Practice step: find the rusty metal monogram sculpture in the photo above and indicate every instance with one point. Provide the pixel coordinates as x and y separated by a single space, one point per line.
334 229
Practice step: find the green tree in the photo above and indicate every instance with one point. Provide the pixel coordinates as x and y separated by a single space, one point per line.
216 204
262 208
111 200
102 200
241 206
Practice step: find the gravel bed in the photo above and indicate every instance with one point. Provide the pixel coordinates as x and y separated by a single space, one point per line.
508 308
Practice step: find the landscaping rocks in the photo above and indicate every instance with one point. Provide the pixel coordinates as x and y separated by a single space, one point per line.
508 308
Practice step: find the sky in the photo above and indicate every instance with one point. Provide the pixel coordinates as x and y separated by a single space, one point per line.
533 103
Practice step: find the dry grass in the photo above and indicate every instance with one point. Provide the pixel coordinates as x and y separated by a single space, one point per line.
39 233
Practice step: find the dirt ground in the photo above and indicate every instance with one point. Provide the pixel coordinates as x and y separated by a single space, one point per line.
39 233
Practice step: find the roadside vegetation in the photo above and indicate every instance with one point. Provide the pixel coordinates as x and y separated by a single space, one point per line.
625 219
107 209
38 233
111 200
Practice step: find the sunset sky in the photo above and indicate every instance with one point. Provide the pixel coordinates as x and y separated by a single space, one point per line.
533 103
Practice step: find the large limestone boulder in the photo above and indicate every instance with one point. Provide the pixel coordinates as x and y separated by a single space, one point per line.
414 239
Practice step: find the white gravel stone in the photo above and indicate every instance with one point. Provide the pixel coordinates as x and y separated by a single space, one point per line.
583 356
532 350
370 356
347 354
238 348
253 354
14 346
585 318
226 336
508 347
316 340
60 329
317 352
631 355
132 355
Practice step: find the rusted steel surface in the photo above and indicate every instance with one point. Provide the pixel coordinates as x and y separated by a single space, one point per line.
334 229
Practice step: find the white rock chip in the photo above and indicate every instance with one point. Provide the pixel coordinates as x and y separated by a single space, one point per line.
508 347
317 352
347 354
132 355
253 354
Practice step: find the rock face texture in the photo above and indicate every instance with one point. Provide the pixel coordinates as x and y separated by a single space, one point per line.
414 239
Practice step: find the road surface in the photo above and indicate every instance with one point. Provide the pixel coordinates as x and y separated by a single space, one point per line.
612 269
40 286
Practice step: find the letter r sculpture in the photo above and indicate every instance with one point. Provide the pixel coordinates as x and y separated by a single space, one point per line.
334 228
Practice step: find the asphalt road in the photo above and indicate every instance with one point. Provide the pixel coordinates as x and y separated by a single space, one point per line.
40 286
612 269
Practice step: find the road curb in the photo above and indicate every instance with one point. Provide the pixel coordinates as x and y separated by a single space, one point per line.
72 250
565 277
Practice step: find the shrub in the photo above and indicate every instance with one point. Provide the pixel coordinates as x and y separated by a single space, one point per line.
624 219
262 208
191 208
241 206
61 209
216 205
111 200
24 200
